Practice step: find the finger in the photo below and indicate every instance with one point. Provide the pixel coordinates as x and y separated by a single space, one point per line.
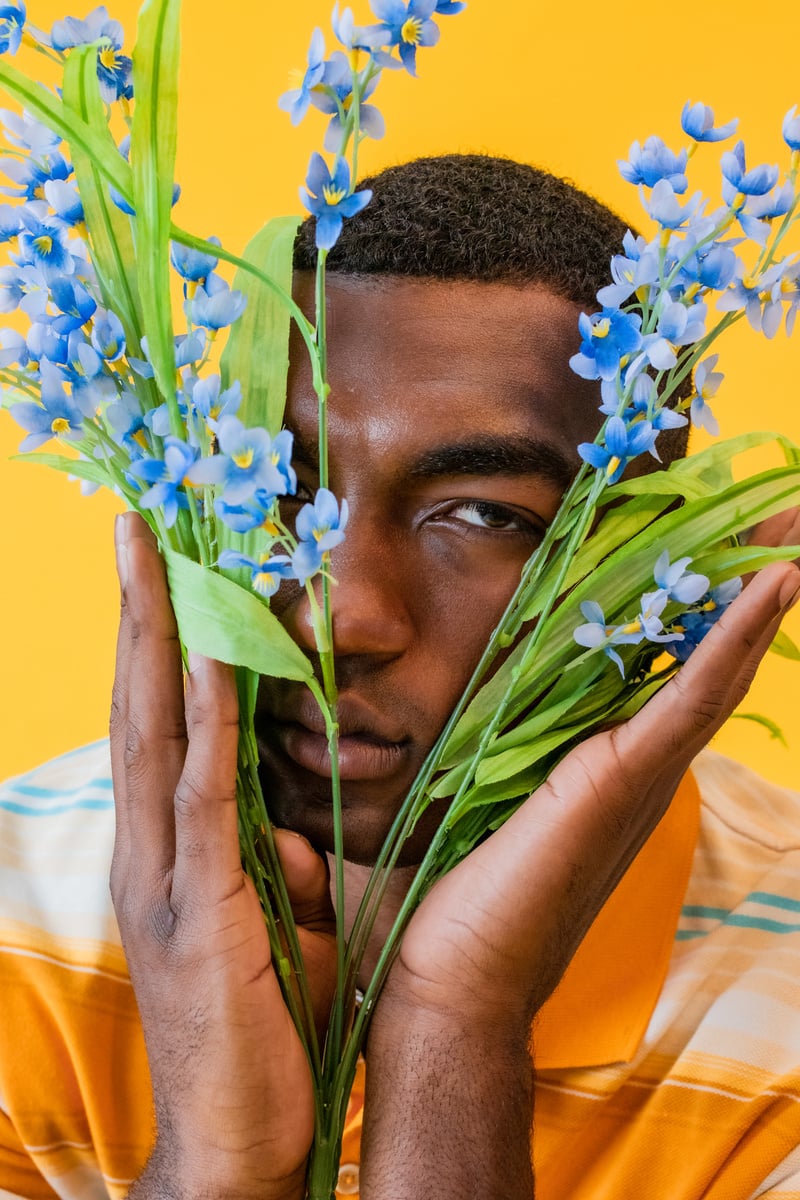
148 727
685 714
307 880
581 829
207 859
781 530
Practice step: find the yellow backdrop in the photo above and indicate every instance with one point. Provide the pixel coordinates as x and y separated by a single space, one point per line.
566 86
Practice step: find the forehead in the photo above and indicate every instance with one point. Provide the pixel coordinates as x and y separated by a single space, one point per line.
427 360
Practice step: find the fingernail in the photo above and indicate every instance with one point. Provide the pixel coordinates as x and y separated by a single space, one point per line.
790 603
121 548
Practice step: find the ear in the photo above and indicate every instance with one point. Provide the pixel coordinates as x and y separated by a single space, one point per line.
781 530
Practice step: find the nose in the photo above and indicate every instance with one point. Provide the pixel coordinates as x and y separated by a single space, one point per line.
369 595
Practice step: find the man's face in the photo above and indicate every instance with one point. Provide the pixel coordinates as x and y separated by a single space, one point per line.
453 425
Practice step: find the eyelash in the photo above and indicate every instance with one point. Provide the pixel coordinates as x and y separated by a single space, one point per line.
506 516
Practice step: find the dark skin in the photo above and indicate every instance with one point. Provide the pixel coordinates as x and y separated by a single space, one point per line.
429 366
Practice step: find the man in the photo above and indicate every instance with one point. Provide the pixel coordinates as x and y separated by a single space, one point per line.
453 304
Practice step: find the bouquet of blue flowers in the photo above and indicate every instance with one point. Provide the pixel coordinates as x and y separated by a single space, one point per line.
630 574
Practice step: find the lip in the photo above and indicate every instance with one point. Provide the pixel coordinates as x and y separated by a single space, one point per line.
361 756
366 753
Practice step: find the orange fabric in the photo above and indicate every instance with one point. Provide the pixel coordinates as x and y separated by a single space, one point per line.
624 956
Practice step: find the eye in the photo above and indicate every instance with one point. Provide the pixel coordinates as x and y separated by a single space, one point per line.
495 517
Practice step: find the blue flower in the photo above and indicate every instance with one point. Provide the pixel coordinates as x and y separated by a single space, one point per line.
297 100
362 37
12 19
791 129
29 175
29 133
652 162
408 25
192 265
752 294
215 305
622 443
320 526
336 97
645 404
677 326
706 383
327 197
676 582
694 625
596 633
638 269
698 121
13 349
168 476
113 69
255 513
266 573
607 337
64 199
747 183
249 461
75 305
58 415
43 244
213 404
108 336
664 208
25 288
10 222
449 8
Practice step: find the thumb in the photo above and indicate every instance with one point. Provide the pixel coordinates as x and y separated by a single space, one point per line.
307 881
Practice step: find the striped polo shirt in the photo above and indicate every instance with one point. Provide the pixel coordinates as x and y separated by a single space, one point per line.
668 1060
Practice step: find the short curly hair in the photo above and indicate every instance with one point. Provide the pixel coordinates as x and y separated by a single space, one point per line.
485 219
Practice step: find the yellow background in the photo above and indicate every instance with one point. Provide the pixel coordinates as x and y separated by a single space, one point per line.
567 86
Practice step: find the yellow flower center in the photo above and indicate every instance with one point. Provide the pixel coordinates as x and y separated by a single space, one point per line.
602 328
108 58
613 463
60 425
244 458
270 527
632 626
749 282
411 30
333 195
44 244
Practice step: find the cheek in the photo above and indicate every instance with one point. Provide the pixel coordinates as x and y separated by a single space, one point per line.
464 585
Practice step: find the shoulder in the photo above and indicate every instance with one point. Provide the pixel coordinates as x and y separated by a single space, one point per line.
56 840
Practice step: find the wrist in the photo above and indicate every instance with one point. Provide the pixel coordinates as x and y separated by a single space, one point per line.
172 1176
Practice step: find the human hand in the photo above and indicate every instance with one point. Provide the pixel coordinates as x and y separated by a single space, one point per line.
450 1089
231 1083
496 934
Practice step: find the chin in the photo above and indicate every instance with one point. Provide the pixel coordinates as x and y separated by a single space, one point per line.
301 801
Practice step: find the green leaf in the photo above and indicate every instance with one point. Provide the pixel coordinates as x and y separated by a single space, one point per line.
48 109
154 136
782 644
774 730
257 350
618 582
218 618
109 228
94 472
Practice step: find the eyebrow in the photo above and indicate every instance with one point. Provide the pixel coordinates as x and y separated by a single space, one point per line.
495 455
482 456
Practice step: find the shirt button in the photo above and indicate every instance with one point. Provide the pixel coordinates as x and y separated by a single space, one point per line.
347 1183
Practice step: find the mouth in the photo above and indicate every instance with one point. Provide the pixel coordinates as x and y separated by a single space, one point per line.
365 754
361 756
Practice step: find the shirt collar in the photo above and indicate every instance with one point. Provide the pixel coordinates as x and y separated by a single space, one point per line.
600 1010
